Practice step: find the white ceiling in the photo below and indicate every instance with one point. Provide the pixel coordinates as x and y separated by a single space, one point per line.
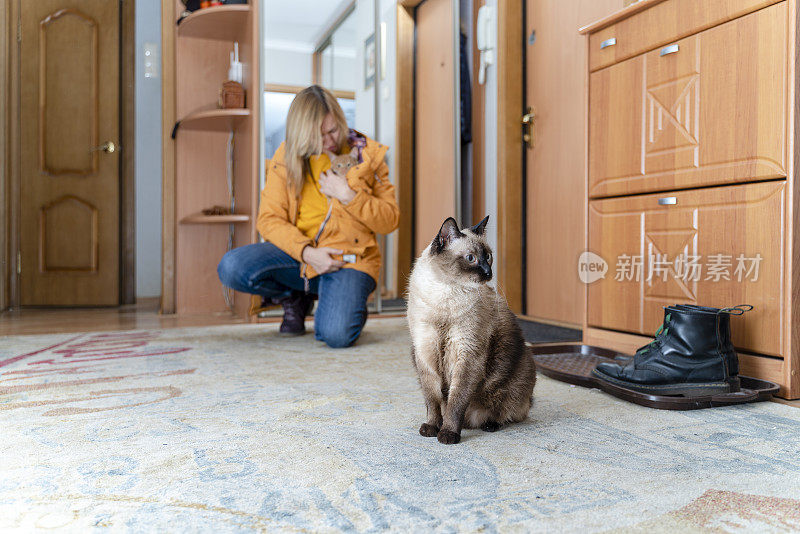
297 25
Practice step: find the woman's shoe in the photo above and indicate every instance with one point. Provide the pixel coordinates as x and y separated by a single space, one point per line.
295 309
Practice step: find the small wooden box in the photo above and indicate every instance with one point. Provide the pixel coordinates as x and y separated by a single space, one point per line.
231 96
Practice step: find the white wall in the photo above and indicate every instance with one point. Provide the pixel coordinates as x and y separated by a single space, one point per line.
387 113
287 67
365 98
345 75
490 146
339 60
387 103
147 157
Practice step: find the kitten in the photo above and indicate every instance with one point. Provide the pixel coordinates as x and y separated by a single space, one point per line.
341 164
467 347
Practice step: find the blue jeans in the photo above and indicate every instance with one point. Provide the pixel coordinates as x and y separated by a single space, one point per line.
264 269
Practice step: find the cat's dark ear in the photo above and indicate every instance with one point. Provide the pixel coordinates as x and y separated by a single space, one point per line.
447 233
480 228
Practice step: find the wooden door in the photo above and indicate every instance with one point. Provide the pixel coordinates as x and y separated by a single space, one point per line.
69 190
555 73
685 247
708 109
436 120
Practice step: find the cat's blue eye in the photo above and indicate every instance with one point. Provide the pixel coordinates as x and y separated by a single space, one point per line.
470 258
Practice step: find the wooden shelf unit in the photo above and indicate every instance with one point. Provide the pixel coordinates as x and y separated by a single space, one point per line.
223 23
218 120
203 42
199 218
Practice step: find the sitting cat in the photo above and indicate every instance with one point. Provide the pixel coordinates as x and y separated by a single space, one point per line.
467 347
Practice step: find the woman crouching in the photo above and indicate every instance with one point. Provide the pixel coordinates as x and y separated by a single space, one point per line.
319 226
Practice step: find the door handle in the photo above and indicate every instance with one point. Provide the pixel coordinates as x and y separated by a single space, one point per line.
528 121
108 147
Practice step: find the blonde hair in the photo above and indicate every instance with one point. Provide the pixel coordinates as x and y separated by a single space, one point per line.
304 130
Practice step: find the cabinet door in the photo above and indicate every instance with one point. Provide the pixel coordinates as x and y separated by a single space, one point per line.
662 23
708 109
712 247
615 124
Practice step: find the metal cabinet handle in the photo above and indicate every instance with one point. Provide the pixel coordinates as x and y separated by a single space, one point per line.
608 42
671 49
667 201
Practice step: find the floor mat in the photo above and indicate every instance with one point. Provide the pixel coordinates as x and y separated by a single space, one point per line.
574 364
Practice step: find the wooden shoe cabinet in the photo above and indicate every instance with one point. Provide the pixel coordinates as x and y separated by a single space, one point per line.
692 120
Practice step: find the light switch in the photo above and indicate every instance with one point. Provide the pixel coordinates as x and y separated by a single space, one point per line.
151 60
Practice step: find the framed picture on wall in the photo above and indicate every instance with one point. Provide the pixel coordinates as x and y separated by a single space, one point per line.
370 61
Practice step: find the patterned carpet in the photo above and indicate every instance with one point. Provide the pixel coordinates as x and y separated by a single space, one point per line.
234 429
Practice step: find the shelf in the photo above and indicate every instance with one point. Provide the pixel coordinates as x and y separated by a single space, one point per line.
223 23
199 218
219 120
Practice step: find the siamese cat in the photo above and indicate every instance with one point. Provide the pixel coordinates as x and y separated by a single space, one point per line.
467 348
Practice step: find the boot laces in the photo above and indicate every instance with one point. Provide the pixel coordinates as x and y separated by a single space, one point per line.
739 309
660 334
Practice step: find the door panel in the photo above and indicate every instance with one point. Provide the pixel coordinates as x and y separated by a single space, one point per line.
641 239
69 192
435 115
684 117
556 89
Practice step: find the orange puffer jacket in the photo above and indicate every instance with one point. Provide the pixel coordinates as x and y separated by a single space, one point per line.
350 228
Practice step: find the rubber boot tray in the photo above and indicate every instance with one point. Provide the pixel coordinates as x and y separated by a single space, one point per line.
574 364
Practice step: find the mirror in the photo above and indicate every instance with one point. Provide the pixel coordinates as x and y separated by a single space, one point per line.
342 46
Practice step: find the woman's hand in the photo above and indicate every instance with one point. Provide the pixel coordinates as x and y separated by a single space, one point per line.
320 259
336 186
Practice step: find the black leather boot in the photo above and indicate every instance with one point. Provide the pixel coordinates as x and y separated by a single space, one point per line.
724 326
691 355
295 308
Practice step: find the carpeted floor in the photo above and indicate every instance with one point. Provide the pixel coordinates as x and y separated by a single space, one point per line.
234 429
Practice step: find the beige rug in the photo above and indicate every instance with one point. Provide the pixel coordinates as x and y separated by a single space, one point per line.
235 429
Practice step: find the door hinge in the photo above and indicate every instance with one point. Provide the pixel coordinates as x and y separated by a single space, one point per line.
19 262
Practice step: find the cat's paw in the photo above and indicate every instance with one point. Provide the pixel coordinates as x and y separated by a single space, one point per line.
448 437
491 426
429 431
